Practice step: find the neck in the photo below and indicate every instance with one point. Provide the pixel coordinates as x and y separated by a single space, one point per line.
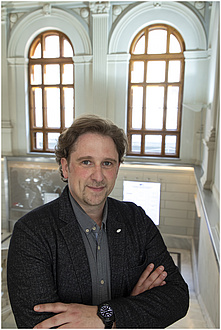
95 213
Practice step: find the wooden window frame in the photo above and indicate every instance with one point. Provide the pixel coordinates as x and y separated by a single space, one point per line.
156 57
45 129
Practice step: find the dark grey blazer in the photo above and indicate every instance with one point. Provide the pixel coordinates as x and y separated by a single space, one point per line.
47 262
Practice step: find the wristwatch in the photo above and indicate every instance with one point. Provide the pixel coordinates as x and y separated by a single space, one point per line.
106 314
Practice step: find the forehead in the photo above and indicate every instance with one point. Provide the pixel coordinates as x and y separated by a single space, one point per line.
95 144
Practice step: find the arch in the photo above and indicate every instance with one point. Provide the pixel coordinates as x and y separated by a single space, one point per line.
175 14
29 26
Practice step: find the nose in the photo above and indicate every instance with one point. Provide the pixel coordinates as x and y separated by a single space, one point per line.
97 174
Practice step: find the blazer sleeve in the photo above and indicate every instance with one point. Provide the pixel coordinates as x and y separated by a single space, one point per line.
29 275
160 306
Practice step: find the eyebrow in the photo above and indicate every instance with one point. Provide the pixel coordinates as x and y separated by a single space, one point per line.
90 157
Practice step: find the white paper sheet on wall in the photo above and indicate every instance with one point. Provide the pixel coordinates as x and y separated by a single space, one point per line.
146 195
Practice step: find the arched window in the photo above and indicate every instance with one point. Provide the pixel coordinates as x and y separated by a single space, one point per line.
51 89
155 92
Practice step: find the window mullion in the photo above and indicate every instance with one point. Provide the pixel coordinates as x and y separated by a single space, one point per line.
144 109
165 95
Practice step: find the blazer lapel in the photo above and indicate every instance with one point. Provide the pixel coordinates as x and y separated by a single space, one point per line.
75 244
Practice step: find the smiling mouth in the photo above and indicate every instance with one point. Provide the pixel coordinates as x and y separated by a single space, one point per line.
96 189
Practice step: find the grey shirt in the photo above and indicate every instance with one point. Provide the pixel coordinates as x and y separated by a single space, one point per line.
96 245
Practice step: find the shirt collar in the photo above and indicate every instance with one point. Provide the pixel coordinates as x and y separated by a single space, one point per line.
86 223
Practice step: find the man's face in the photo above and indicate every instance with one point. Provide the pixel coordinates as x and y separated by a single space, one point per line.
92 170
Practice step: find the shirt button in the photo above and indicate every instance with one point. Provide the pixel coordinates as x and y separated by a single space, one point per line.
98 247
102 281
87 230
94 228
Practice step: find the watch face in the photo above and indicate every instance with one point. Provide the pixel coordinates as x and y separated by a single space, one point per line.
106 311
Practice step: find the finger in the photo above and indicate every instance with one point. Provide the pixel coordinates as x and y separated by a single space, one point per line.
52 322
159 280
147 279
153 280
51 307
145 274
155 274
66 326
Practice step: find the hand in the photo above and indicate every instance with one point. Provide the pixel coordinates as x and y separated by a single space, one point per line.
69 316
150 279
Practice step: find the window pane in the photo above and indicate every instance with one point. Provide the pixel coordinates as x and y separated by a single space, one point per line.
153 144
156 71
137 106
53 107
172 107
157 42
38 107
137 72
68 75
38 137
52 47
68 106
52 74
36 74
170 144
52 140
174 45
140 46
68 51
174 71
154 107
136 143
37 52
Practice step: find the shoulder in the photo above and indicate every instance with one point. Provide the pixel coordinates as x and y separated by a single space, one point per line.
44 215
137 223
127 210
112 202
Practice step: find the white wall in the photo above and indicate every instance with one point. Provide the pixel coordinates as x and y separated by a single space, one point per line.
206 261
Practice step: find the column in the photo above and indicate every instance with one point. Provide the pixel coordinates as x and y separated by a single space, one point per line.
6 120
212 116
100 15
18 103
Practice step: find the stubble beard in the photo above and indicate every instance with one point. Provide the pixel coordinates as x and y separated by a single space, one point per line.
94 199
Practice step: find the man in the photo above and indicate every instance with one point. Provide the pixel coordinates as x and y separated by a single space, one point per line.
86 260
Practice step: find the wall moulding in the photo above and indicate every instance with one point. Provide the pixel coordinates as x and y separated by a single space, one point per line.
168 12
209 149
82 59
17 61
30 25
99 7
196 54
119 58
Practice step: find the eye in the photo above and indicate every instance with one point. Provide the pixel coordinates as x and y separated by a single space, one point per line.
86 162
107 164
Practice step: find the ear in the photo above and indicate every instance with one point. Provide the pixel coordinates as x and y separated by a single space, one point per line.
64 165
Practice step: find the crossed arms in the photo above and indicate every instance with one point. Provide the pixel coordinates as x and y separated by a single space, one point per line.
79 316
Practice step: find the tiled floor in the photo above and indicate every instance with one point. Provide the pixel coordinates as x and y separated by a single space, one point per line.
194 318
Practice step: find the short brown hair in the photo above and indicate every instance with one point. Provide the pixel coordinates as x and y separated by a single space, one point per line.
88 124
